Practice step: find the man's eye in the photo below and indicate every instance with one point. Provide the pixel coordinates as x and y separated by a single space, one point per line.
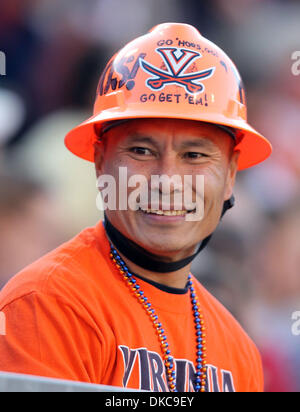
194 155
141 151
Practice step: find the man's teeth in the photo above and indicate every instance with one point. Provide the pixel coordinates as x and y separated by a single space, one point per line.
166 212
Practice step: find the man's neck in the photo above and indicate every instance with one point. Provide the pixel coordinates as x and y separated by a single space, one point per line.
176 279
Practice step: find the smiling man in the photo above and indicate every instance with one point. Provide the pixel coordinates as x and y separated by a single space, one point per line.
117 304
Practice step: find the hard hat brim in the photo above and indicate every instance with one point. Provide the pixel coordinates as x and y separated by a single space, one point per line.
254 148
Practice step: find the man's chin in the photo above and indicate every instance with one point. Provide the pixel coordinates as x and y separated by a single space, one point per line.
165 248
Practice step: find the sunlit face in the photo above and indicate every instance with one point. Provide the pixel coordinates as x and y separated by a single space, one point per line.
169 147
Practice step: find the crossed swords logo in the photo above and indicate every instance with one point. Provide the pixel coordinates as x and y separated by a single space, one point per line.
177 62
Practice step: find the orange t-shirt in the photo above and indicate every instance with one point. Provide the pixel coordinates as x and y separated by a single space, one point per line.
70 315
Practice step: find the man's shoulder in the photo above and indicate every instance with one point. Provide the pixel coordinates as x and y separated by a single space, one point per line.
60 272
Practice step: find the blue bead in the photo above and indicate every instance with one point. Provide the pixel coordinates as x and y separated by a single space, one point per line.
141 292
137 287
194 301
199 360
197 387
193 295
133 280
198 326
199 333
145 299
198 380
168 352
129 274
199 353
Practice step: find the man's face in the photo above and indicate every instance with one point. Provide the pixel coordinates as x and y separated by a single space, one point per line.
152 147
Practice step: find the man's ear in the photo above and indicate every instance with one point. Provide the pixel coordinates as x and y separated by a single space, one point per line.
231 175
98 151
99 157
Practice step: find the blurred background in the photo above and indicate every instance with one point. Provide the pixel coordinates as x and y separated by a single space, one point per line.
55 51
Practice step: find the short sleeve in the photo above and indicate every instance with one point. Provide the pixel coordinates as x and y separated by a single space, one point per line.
46 337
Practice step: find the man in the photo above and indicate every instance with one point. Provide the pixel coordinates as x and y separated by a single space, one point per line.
117 304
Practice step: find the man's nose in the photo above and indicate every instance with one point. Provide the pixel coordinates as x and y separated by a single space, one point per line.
169 174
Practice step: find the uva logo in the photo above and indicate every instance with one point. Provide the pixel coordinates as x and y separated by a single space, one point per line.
177 61
148 367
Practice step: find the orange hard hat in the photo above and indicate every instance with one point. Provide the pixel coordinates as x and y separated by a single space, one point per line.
172 72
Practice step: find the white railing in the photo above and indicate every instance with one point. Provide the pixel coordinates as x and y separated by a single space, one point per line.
12 382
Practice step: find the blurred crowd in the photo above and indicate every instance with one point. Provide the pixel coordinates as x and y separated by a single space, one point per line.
55 51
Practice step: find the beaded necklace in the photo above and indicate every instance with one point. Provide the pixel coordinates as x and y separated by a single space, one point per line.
201 369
